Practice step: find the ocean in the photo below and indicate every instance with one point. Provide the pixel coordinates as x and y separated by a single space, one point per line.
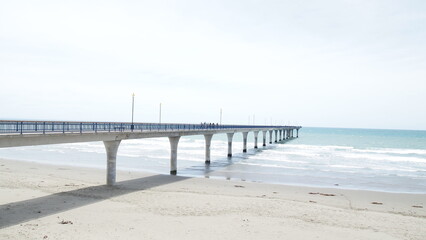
364 159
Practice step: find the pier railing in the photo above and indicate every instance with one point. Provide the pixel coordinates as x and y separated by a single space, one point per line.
43 127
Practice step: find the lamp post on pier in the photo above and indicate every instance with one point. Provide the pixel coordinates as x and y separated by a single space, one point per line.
160 113
133 111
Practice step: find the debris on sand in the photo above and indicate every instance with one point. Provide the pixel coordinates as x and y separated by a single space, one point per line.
239 186
417 206
71 185
65 222
377 203
322 194
327 194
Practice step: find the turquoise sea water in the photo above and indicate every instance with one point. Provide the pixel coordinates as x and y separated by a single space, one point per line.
368 159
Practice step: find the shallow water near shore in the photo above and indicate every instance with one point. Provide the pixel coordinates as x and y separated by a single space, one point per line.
366 159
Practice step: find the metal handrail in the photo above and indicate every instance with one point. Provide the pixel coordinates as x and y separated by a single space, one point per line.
43 127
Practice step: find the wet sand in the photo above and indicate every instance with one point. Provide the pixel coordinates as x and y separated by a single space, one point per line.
60 202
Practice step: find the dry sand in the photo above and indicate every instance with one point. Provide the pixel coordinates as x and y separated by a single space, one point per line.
60 202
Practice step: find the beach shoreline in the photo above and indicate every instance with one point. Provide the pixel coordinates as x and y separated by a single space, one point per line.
52 201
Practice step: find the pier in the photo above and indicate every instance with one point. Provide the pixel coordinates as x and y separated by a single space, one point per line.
31 133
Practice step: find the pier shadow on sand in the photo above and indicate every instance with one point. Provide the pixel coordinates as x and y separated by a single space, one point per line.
18 212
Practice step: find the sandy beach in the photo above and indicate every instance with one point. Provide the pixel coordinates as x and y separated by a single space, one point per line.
61 202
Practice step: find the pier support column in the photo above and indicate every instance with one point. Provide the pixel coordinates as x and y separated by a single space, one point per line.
245 141
280 135
297 133
270 136
291 133
264 138
208 138
276 133
230 136
285 134
256 134
111 148
173 154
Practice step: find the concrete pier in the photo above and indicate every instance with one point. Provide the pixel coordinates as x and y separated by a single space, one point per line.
245 141
230 136
32 133
256 134
208 138
111 148
264 138
173 154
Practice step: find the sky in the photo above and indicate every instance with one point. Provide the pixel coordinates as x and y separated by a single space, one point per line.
331 63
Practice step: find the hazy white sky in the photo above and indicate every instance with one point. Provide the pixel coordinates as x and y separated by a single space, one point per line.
341 63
